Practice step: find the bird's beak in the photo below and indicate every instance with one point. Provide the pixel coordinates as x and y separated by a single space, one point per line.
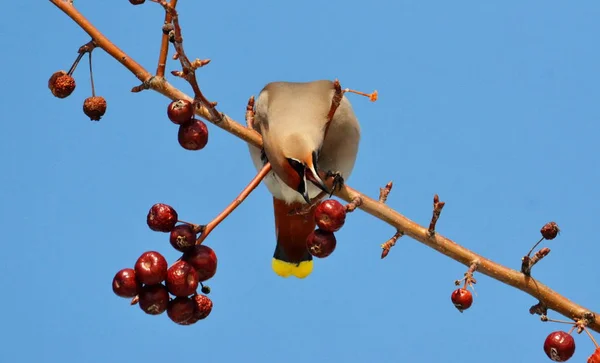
312 175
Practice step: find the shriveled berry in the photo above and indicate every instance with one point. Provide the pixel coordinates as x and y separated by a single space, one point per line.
182 237
204 260
321 243
61 84
205 289
181 309
330 215
550 230
137 2
595 357
204 306
154 299
151 268
193 135
94 107
125 283
161 218
462 299
182 279
559 346
180 111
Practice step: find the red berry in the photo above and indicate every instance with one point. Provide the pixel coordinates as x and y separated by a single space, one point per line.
595 357
204 306
151 268
182 279
180 111
61 84
559 346
462 299
204 260
181 309
137 2
94 107
321 243
161 218
193 135
550 230
154 299
330 215
125 283
183 237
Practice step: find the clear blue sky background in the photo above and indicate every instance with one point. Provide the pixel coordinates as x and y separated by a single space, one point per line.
493 106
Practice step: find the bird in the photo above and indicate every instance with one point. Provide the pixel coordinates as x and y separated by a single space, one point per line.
292 118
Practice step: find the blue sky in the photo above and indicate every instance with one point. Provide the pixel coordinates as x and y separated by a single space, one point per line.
492 105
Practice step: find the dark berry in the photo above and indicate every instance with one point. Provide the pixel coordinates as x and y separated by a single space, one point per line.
183 237
154 299
205 289
204 306
137 2
462 299
204 260
180 111
550 230
181 309
182 279
330 215
162 218
125 283
321 243
559 346
193 135
94 107
151 268
61 84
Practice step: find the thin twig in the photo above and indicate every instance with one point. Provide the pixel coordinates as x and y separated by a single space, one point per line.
355 203
236 202
164 44
387 245
384 192
250 113
437 210
511 277
529 262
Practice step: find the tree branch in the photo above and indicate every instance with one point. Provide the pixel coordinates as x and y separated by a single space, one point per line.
549 298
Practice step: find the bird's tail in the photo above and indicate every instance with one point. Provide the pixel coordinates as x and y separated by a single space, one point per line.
291 257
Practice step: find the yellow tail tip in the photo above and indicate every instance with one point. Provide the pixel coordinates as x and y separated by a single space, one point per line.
287 269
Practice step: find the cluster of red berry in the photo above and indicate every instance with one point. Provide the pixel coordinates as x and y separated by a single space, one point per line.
144 283
559 346
330 216
62 84
193 133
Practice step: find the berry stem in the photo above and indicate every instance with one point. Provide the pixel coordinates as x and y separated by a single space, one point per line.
534 246
546 319
92 77
74 65
591 337
236 202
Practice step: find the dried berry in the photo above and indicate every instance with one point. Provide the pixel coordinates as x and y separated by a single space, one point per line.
161 218
321 243
204 306
550 230
94 107
183 237
559 346
137 2
462 299
193 135
330 215
180 111
204 260
125 283
151 268
182 279
154 299
61 84
181 309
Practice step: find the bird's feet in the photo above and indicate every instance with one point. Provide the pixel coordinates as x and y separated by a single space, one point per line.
338 181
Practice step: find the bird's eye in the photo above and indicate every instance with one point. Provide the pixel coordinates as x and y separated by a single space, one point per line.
297 166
